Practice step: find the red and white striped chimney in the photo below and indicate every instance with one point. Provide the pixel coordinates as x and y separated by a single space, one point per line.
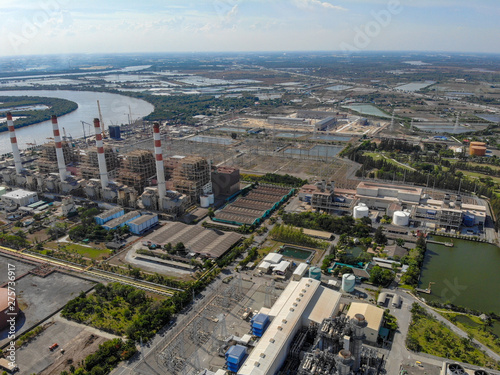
160 170
59 151
13 141
103 170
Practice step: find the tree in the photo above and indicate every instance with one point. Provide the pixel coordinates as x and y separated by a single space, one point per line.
380 276
379 236
179 247
211 212
234 135
400 242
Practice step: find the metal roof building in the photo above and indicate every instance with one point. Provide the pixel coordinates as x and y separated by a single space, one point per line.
374 317
300 303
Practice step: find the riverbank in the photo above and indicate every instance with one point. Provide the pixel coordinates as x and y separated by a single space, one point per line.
15 104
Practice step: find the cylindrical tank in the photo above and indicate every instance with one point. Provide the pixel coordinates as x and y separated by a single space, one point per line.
360 212
204 201
315 273
211 198
348 282
469 220
401 218
477 144
477 150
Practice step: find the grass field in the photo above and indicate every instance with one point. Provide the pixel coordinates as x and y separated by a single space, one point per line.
427 335
87 252
481 331
481 175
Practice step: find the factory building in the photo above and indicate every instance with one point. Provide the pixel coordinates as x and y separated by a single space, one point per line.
20 197
374 317
136 169
381 196
143 223
108 215
90 162
191 176
301 303
122 220
323 196
225 181
325 123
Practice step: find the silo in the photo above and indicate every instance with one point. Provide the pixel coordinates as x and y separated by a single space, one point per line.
315 273
348 282
401 218
204 201
360 212
211 198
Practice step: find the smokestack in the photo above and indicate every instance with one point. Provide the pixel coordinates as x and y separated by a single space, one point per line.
13 141
103 171
160 171
59 152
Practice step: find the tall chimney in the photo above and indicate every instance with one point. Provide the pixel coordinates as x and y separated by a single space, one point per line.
13 141
59 151
103 171
160 169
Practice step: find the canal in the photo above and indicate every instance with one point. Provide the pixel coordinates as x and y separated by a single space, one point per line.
465 275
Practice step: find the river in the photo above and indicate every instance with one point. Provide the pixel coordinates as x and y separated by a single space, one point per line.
114 108
465 275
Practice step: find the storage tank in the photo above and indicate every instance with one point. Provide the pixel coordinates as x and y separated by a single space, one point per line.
211 198
315 273
360 212
401 218
478 144
469 220
348 282
477 150
204 201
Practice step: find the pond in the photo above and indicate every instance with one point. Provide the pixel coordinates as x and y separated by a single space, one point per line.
465 274
296 252
367 109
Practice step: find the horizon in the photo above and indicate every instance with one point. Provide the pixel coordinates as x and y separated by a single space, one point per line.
57 27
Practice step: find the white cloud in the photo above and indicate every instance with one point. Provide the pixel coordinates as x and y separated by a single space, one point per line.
317 3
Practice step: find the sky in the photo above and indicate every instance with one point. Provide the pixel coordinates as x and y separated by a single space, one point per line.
74 26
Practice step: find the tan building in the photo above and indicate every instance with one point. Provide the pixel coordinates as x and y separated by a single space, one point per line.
373 315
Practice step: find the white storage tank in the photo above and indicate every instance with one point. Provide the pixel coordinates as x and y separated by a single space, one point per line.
211 198
401 218
348 282
360 212
204 201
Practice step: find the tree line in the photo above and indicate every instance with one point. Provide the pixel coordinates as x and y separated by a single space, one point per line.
56 106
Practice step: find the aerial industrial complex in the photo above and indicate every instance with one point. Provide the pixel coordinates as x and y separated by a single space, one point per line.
311 227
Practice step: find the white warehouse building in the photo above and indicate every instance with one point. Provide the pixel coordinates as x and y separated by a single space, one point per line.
20 197
300 303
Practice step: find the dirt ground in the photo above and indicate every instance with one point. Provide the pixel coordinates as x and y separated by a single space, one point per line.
80 347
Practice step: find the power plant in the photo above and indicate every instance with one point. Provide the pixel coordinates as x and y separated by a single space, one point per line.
136 179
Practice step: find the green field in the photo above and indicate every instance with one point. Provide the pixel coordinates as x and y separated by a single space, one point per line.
482 332
428 335
84 251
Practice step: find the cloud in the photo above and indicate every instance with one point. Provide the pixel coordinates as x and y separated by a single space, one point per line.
318 3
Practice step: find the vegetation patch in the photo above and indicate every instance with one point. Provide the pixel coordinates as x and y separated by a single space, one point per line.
289 234
29 116
428 335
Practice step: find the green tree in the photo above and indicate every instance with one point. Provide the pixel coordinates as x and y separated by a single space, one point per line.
379 236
